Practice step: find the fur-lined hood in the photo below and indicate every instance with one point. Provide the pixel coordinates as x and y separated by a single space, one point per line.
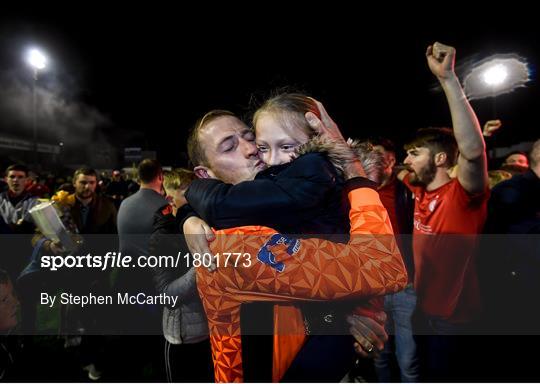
340 155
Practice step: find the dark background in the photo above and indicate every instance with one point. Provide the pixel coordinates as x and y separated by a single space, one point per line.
149 71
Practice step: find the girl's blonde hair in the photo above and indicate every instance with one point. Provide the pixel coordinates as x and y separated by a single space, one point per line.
289 109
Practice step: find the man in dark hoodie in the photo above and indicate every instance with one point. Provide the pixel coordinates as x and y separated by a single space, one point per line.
184 326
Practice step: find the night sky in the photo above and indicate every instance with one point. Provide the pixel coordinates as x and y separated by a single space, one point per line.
150 71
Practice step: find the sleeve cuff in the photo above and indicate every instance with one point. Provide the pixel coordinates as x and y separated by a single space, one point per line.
359 182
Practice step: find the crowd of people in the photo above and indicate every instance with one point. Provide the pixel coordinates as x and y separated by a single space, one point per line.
358 267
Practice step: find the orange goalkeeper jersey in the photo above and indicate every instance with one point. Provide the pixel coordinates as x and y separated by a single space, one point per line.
283 268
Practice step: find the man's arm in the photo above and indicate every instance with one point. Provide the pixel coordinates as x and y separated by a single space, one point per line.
370 263
490 127
184 287
166 239
472 163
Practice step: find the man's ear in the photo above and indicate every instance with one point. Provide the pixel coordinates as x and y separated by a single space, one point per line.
440 159
203 172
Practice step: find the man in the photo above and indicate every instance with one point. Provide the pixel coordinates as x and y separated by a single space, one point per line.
86 213
513 207
15 204
91 213
400 306
211 152
223 148
16 201
185 326
516 163
117 189
445 276
136 213
135 222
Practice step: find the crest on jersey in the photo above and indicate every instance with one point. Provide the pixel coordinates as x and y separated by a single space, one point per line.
266 256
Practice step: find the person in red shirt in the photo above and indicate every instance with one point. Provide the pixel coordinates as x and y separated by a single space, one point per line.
449 213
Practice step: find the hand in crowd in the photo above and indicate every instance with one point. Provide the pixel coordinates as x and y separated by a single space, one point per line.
198 235
491 126
369 334
55 247
441 60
